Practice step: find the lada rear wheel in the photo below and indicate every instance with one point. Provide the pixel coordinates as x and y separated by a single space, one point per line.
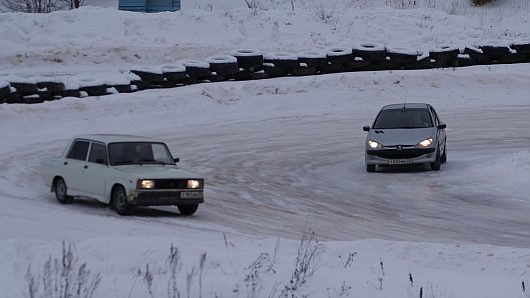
188 209
60 192
119 201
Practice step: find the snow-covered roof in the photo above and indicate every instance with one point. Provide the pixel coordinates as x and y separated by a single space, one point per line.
115 138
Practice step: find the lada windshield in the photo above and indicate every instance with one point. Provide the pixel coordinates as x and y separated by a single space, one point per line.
403 119
127 153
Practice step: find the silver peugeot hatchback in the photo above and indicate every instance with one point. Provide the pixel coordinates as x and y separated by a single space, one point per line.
407 133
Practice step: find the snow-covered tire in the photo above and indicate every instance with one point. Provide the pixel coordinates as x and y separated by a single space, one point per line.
313 58
339 55
477 55
25 88
331 68
273 70
12 97
122 88
463 60
55 88
513 58
188 209
60 189
521 47
196 68
304 71
248 59
446 55
402 55
495 52
283 60
174 72
96 90
370 51
223 65
71 93
153 74
4 91
119 202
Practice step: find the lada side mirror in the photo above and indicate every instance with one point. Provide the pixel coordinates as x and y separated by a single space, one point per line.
366 128
176 160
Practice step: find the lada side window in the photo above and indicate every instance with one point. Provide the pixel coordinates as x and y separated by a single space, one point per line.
98 154
79 150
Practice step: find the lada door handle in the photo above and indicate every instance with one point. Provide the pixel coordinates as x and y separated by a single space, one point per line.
86 167
65 163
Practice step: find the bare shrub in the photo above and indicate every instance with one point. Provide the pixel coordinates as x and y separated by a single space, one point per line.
173 263
62 278
263 264
306 264
481 2
328 17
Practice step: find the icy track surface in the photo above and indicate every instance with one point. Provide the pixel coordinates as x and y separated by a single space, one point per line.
280 156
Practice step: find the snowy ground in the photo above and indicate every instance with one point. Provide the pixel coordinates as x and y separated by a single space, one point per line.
279 156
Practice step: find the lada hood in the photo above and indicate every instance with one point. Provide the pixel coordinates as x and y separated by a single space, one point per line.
150 171
393 137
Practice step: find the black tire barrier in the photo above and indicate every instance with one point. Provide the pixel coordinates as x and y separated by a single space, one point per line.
283 60
339 55
223 65
25 88
521 47
370 52
248 59
445 55
95 90
315 59
249 65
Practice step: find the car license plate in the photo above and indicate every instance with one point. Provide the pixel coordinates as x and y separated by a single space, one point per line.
191 195
400 161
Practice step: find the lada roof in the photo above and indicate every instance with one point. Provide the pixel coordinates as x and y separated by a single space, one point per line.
115 138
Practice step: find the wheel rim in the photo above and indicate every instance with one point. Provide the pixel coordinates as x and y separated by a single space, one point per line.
120 199
61 190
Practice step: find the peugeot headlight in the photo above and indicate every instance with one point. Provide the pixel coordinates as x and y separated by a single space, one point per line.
373 144
193 184
146 184
426 143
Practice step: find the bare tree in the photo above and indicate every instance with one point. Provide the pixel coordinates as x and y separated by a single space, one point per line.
39 6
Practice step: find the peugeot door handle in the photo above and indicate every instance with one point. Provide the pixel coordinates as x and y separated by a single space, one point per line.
65 163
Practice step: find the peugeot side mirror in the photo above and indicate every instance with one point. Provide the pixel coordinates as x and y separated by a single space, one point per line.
366 128
442 126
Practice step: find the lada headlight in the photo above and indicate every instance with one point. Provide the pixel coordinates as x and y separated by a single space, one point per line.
146 184
193 184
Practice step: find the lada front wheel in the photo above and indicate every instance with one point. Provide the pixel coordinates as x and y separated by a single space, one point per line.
188 209
119 201
60 192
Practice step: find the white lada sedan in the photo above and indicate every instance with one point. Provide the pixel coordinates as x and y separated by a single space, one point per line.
123 171
410 133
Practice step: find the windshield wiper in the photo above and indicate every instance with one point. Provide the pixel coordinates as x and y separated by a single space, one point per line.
123 162
151 161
